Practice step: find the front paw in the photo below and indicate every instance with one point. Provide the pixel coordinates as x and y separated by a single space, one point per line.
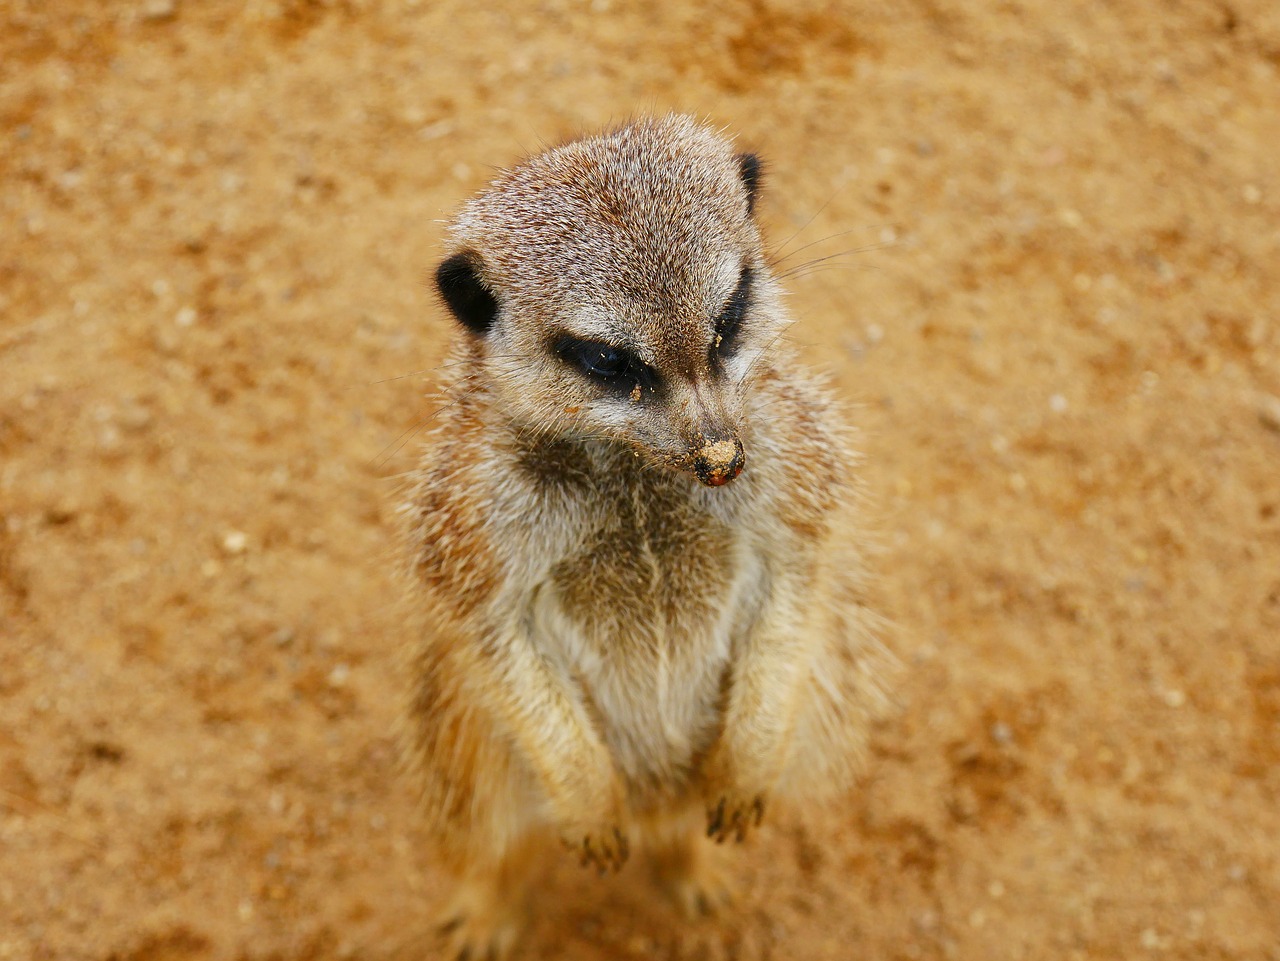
733 814
603 847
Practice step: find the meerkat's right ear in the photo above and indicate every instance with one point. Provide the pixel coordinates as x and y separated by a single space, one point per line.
749 167
459 282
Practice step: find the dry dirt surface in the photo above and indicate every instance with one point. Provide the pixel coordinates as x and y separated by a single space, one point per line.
1036 241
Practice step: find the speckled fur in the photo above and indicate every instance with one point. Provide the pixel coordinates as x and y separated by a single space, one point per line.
610 650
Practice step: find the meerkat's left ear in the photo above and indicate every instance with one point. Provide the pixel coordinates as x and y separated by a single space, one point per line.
749 168
462 286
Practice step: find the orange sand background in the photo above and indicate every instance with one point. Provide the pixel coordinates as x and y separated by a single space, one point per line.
1055 295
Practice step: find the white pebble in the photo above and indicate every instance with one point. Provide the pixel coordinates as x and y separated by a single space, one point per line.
1269 411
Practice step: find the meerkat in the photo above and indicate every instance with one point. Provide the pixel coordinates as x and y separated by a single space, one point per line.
641 604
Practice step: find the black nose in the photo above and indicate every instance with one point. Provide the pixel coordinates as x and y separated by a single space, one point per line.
719 462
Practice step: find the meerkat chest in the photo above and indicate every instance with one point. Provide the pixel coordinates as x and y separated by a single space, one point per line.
645 584
641 621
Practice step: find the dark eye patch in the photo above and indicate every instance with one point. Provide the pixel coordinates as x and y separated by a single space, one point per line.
614 367
729 321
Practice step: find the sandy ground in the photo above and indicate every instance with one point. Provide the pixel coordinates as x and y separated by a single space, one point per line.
1054 295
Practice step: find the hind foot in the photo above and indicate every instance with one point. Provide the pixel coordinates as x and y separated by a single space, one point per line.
476 928
696 876
489 910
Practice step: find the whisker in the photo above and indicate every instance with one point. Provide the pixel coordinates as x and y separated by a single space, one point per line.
805 226
390 451
869 248
447 365
778 261
388 380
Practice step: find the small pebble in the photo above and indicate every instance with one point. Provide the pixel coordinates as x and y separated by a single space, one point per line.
158 10
435 131
135 416
1269 411
109 439
926 921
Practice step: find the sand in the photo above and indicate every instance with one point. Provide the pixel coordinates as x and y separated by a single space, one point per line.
1035 241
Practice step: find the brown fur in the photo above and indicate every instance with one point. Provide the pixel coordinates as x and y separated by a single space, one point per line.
608 648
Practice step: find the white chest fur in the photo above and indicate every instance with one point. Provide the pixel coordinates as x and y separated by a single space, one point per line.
643 640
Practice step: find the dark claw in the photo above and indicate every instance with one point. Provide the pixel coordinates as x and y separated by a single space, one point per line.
758 807
448 927
716 816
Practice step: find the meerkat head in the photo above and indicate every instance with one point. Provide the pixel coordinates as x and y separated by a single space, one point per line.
615 288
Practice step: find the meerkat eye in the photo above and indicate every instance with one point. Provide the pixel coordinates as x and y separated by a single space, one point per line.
614 366
729 322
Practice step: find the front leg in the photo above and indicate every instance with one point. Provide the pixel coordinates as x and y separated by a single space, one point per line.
491 711
766 682
557 739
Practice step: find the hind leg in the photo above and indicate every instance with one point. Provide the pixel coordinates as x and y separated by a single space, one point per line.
694 873
494 852
489 907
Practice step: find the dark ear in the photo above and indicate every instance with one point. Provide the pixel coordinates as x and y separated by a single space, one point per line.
459 283
749 169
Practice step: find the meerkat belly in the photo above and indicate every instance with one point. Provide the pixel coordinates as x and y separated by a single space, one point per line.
642 629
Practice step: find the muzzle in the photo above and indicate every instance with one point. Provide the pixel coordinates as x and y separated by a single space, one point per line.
719 462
